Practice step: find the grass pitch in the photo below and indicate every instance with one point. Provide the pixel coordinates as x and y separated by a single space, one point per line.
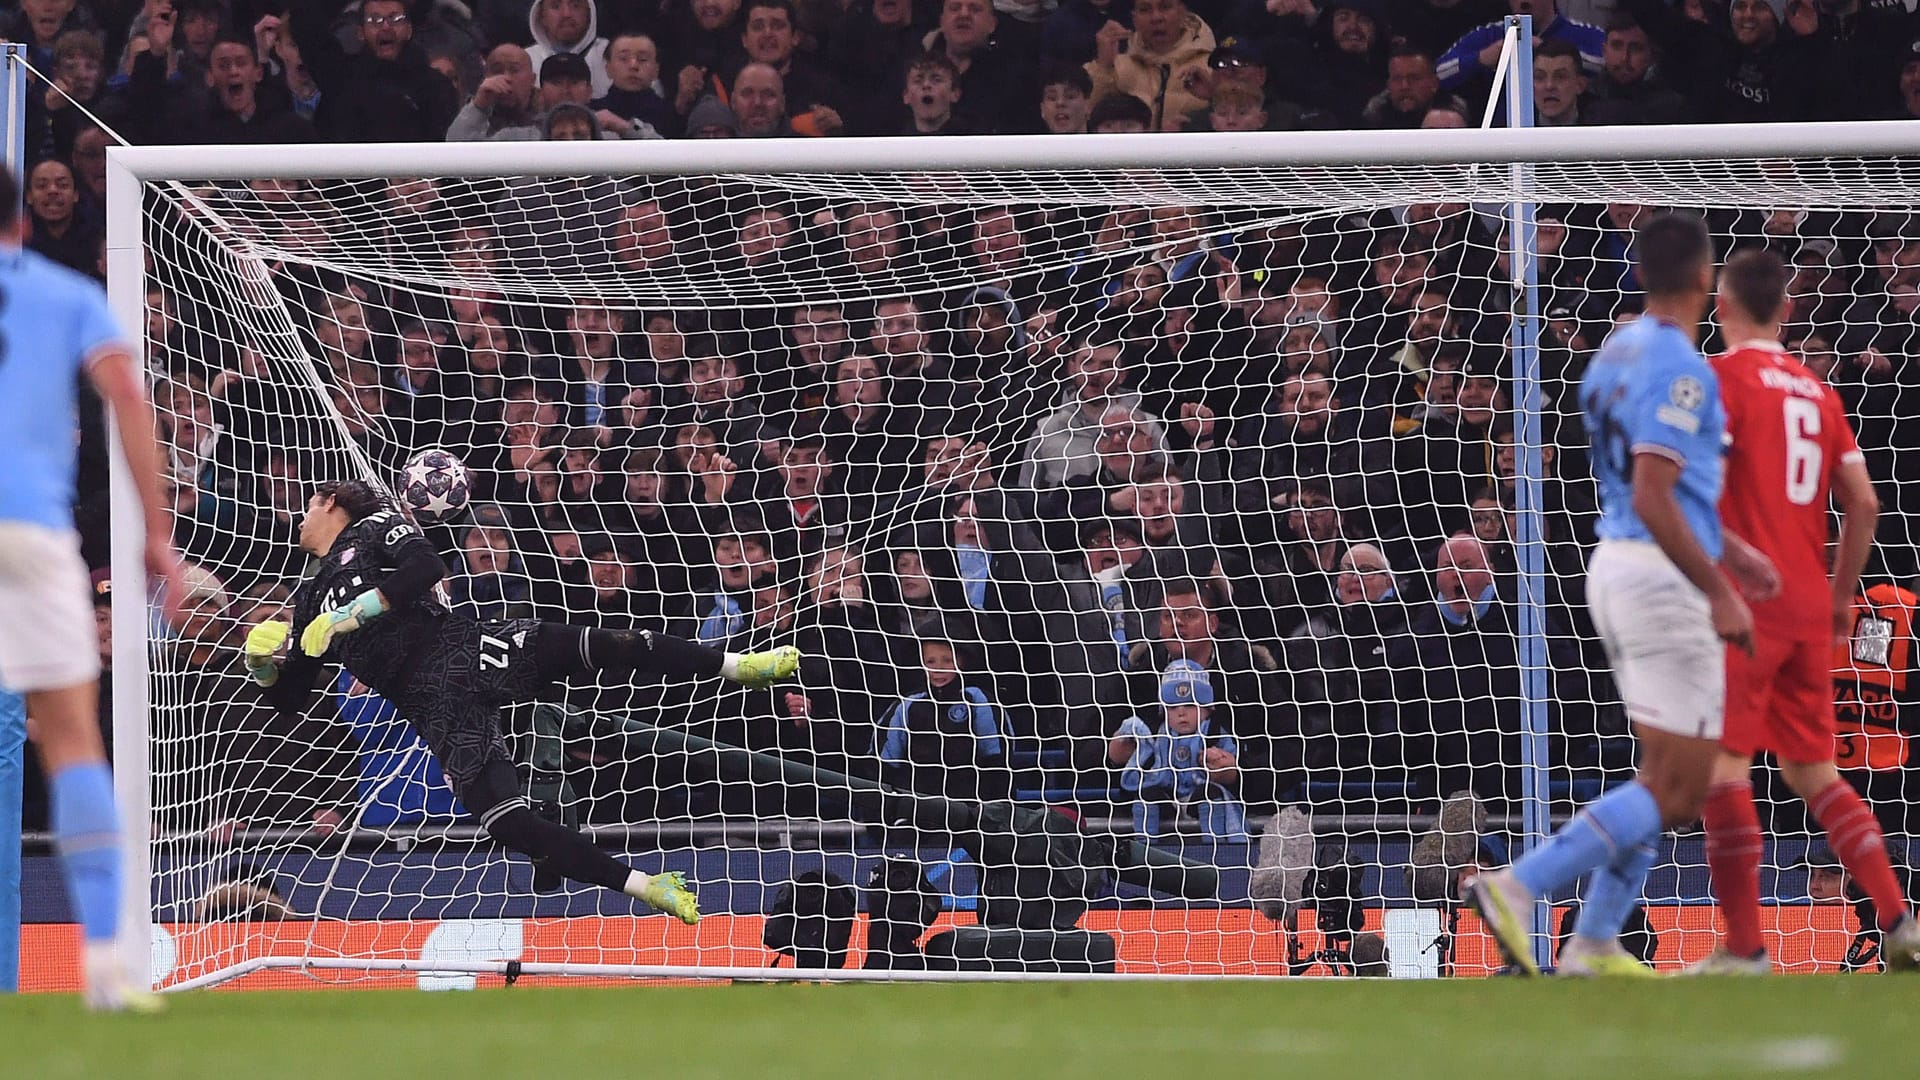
1859 1027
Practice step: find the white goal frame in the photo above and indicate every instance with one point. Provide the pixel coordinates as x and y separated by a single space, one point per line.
1505 153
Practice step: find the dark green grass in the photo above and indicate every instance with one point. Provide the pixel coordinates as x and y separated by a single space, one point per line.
1860 1027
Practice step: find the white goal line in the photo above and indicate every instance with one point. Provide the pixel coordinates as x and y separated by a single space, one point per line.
518 969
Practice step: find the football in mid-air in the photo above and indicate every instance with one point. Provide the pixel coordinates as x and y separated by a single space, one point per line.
434 485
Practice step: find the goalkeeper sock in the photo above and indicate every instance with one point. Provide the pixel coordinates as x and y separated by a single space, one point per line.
1613 891
637 882
1855 837
644 650
564 851
86 828
1733 859
1598 835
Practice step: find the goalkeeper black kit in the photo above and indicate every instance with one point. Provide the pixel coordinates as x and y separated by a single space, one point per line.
447 672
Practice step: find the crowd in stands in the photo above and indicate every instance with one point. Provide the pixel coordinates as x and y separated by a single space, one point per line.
1180 510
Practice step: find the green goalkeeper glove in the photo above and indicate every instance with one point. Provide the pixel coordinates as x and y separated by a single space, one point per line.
319 634
264 643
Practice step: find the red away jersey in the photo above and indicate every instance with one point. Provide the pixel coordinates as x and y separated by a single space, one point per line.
1787 436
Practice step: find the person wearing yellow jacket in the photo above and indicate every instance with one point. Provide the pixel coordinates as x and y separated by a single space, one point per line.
1163 61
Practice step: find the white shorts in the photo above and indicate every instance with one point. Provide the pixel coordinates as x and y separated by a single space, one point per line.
1658 631
47 639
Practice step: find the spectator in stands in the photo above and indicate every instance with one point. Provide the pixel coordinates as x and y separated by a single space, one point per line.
717 400
1070 34
644 239
1237 68
932 92
569 26
1187 766
947 739
1109 549
635 92
58 230
385 92
596 376
1119 114
504 100
743 563
1461 677
260 770
1630 88
1369 620
805 511
1064 447
435 398
1159 61
1234 109
493 582
1293 572
52 120
1190 626
847 673
38 24
768 36
1751 68
1908 86
921 377
712 119
872 438
1467 67
1559 84
1413 89
759 100
996 79
1307 431
864 54
1066 99
1348 64
813 339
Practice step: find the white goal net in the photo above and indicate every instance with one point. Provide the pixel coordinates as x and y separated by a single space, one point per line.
1183 499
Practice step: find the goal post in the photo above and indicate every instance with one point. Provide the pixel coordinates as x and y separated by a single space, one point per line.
1235 275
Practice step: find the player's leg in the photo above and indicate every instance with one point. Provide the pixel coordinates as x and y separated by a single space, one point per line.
1804 737
86 829
1669 666
48 652
465 737
1733 824
508 819
562 650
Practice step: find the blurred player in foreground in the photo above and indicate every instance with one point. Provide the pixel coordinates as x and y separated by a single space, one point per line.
1661 604
375 605
55 325
1790 452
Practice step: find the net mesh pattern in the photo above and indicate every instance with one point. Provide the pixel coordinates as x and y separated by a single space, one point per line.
1040 469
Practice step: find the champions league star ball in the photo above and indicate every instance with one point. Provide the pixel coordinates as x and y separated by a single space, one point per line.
434 485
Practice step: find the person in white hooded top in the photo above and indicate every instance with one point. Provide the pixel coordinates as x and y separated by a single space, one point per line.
570 26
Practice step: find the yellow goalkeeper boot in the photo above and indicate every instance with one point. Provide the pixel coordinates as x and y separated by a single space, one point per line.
1900 946
1506 908
766 668
668 892
108 989
1583 957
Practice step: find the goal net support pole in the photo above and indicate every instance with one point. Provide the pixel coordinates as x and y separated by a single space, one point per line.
1529 546
13 708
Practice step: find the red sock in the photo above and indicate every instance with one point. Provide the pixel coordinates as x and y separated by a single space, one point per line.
1855 838
1733 857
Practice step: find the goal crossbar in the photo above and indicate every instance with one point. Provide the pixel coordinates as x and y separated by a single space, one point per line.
970 153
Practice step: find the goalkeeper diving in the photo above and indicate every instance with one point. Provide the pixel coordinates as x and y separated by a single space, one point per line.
375 606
